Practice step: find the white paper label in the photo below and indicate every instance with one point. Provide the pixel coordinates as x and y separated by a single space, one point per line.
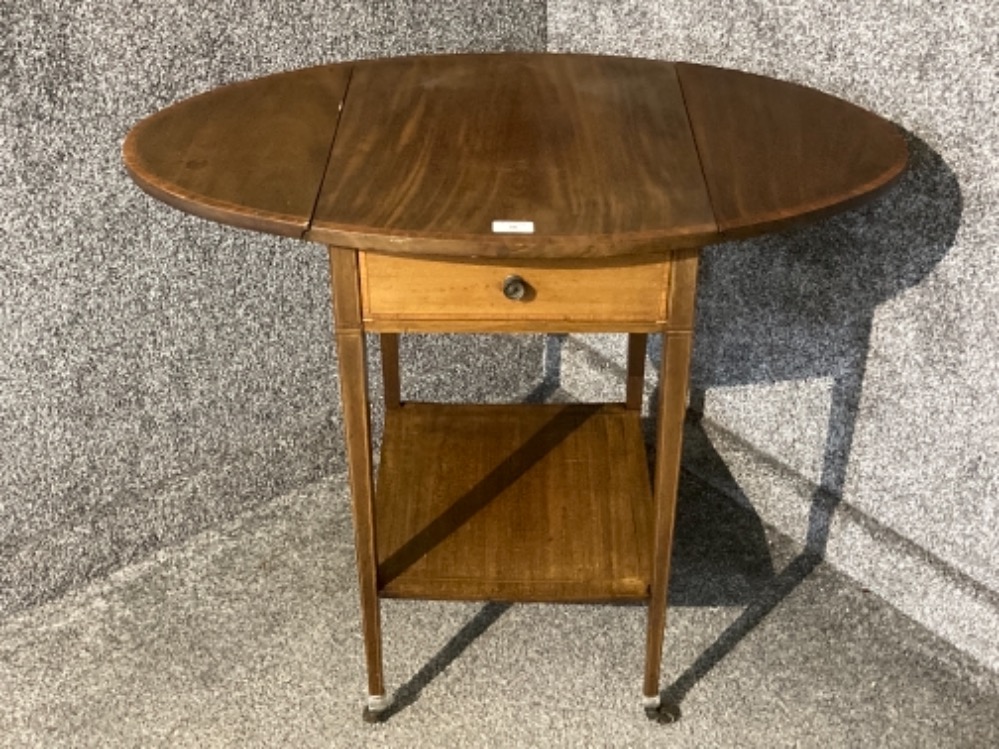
513 227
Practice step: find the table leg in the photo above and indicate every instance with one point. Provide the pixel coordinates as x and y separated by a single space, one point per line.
673 382
669 441
357 429
636 370
390 370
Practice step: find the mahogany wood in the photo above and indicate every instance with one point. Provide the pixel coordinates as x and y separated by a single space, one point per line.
673 384
606 156
483 325
526 503
635 387
427 291
391 379
357 431
775 154
682 286
624 168
540 136
251 154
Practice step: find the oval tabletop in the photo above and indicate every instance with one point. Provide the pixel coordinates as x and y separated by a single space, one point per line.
514 155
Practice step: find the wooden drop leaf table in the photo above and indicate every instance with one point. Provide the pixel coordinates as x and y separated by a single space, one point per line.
514 193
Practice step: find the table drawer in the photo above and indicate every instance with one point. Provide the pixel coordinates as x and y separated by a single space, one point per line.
442 294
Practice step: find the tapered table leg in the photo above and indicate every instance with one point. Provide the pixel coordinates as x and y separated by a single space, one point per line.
673 384
357 429
636 370
390 370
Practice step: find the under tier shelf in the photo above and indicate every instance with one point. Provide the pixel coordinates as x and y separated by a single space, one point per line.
514 502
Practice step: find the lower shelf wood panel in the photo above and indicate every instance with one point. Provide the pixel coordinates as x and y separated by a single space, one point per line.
514 502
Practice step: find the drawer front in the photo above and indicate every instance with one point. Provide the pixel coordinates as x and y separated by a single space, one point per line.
510 295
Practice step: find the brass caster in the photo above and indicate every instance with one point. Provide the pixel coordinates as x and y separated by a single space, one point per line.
377 708
663 713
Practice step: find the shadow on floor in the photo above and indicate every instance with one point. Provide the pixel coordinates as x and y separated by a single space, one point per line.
791 307
786 307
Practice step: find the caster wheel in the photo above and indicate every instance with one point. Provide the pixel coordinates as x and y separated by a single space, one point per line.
377 709
664 713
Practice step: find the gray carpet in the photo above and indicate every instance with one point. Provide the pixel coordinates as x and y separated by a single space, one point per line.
248 636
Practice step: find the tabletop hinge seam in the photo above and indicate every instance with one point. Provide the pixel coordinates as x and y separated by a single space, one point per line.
697 149
329 153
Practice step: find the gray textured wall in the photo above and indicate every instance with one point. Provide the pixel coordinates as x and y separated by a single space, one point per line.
157 373
850 370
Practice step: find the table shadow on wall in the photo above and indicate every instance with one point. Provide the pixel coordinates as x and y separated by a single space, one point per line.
789 307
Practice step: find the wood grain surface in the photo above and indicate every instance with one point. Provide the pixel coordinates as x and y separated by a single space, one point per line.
595 152
352 360
408 290
674 374
251 154
542 503
606 156
776 154
623 168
